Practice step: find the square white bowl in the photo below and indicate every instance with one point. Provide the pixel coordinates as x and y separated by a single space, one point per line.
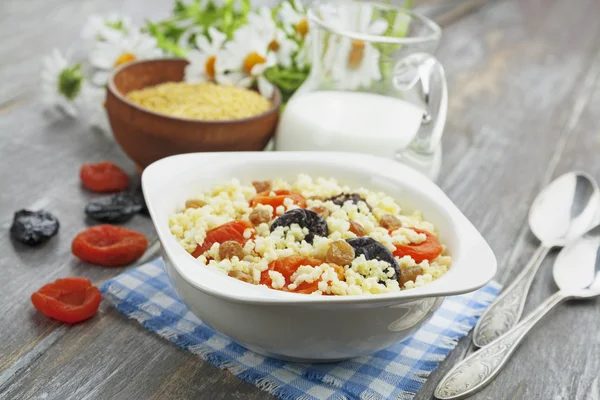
303 327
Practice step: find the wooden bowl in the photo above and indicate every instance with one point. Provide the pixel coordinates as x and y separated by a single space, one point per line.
147 136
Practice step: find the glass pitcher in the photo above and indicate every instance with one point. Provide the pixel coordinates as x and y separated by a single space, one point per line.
374 86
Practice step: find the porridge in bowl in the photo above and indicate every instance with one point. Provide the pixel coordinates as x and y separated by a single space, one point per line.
310 236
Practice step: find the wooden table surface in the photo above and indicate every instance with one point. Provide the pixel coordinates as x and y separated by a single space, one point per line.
524 108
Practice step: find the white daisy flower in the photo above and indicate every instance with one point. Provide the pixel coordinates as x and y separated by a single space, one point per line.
202 61
118 49
293 16
263 24
62 84
244 61
96 27
354 63
93 104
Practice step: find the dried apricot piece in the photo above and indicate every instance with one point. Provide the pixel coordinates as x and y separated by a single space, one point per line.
104 177
109 245
427 250
277 200
229 231
286 266
69 300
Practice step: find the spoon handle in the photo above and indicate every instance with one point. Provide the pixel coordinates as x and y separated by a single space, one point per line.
474 372
506 310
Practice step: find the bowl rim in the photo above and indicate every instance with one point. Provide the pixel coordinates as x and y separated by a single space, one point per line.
112 88
475 253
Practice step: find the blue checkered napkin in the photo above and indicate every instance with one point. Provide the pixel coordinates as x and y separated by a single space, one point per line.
398 372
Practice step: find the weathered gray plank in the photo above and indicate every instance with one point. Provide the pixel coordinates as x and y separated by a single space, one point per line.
519 115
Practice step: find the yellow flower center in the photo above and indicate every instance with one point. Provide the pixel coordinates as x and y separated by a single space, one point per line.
274 45
356 54
124 59
209 67
302 27
251 60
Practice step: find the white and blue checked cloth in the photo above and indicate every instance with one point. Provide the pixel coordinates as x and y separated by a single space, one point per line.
398 372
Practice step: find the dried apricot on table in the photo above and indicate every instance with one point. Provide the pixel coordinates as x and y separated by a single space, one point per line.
69 300
286 266
426 250
229 231
33 227
109 245
278 199
104 177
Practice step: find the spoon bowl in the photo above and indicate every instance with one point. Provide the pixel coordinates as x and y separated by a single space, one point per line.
577 266
565 209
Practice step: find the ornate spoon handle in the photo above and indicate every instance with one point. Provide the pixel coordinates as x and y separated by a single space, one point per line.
474 372
506 310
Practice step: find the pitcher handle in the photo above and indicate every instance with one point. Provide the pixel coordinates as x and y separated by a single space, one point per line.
426 70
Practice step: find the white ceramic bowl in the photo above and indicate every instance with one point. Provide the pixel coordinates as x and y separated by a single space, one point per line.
302 327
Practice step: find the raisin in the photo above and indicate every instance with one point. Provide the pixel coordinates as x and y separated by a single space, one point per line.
230 249
357 229
340 199
119 207
194 203
261 186
389 222
309 219
340 253
259 216
33 227
410 274
322 211
320 198
373 250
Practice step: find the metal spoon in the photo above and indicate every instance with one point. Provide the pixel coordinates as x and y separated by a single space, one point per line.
577 275
563 211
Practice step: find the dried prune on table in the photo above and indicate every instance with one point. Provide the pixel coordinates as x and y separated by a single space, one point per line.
33 227
341 198
119 207
372 249
309 219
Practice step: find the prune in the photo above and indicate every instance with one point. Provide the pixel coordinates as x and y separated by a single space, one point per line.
340 199
309 219
373 250
119 207
33 227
